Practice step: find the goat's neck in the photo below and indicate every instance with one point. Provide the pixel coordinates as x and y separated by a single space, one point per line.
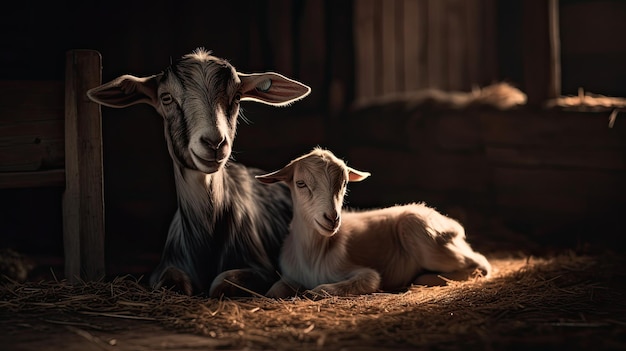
200 194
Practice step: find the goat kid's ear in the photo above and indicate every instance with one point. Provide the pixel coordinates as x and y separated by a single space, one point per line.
282 175
355 175
271 88
125 91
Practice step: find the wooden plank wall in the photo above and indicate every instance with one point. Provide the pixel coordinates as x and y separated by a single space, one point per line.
555 176
312 42
405 45
31 125
593 53
564 164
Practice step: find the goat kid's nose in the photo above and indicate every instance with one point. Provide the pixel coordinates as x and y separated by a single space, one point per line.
332 218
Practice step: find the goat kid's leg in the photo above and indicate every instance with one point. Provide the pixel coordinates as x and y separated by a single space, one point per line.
360 281
440 245
176 279
454 261
243 282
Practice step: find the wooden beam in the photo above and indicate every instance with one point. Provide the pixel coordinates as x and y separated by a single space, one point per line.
53 178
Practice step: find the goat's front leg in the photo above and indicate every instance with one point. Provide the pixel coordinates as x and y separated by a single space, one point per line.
360 281
243 282
282 289
176 279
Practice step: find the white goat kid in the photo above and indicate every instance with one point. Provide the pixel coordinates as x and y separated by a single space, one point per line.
361 252
228 227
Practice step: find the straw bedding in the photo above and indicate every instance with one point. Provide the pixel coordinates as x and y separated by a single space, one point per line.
564 300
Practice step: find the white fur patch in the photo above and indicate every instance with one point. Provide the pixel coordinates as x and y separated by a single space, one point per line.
264 86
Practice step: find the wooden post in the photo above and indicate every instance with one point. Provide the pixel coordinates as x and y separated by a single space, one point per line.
83 200
388 47
541 48
365 49
554 89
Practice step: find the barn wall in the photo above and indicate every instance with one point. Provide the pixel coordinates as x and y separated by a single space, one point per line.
320 42
406 45
548 176
593 55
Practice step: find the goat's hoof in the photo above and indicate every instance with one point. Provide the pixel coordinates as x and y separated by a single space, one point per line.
239 283
176 280
280 292
324 291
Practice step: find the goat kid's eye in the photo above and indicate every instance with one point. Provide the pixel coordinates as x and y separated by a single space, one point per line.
167 98
300 184
237 98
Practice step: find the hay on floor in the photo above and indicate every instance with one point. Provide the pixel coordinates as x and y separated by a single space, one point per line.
528 301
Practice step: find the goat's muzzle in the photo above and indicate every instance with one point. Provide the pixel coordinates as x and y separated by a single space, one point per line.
210 154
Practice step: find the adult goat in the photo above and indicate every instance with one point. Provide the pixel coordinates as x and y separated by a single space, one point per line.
361 252
227 228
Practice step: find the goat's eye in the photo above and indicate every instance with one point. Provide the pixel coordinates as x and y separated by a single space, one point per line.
237 98
300 184
167 98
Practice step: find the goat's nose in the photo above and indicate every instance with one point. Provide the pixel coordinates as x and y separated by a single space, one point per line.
218 145
212 142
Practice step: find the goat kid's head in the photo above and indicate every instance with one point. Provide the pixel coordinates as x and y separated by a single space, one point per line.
318 182
198 97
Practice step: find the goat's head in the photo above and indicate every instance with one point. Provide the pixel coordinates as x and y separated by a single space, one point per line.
318 182
198 97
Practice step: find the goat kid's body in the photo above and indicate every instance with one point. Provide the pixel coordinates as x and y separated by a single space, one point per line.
385 249
343 252
406 243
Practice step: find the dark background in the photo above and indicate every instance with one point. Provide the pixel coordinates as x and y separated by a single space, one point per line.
310 40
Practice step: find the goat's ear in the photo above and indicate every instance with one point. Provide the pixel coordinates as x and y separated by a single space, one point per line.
282 175
271 88
125 91
355 175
